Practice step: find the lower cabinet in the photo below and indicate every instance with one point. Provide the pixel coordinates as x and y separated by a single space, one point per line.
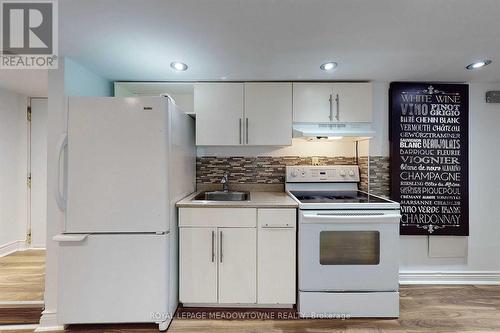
198 265
276 256
237 265
246 259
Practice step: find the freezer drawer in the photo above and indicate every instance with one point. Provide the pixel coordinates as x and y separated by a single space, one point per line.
113 278
334 305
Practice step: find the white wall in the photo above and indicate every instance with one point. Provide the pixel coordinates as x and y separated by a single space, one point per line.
13 169
70 79
38 151
80 81
480 251
379 144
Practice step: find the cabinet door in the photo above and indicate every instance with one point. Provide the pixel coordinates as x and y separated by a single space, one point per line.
276 256
198 265
268 114
219 113
311 102
237 265
354 101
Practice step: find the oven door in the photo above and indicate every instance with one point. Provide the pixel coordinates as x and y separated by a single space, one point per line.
348 250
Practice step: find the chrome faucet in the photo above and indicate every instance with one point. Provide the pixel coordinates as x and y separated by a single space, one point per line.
224 182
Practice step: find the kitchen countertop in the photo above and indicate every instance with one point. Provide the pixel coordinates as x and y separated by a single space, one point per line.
258 199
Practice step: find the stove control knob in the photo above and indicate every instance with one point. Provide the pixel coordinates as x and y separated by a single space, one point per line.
342 173
293 173
351 173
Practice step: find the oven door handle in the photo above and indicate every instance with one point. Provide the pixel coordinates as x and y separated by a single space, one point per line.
325 217
277 226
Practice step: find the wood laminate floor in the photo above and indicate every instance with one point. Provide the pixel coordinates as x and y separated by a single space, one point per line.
22 276
20 315
423 309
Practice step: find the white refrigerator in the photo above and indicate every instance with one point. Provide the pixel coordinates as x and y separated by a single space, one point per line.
124 164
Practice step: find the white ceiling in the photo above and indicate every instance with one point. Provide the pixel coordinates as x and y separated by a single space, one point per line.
385 40
28 82
283 39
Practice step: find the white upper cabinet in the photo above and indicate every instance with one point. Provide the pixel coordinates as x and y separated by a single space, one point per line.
332 102
311 102
353 102
268 113
261 113
231 114
219 113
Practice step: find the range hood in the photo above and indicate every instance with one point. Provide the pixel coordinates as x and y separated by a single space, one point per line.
335 130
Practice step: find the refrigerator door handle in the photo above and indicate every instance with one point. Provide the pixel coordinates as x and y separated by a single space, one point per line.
60 196
62 238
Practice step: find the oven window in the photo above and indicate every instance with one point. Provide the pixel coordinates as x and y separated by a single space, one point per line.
349 247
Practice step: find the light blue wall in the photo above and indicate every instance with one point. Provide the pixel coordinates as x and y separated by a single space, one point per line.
80 81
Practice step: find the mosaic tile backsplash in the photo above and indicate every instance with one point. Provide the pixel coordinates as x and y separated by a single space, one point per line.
380 176
255 170
271 170
363 173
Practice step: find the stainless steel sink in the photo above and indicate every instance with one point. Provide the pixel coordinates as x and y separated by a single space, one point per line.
223 196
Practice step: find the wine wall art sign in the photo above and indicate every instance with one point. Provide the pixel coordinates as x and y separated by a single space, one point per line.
429 157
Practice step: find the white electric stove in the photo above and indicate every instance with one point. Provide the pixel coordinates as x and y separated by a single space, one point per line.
348 245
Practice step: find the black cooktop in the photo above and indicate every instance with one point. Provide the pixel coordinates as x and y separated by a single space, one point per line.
336 197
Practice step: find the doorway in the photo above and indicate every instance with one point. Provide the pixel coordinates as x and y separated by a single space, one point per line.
22 260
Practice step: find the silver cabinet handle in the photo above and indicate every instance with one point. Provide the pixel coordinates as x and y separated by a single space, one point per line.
240 131
220 250
213 246
337 100
246 130
331 107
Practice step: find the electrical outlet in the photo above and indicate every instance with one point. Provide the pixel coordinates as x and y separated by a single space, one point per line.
315 161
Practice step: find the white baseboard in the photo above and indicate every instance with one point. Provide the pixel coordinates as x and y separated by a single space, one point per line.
48 322
38 247
457 277
11 247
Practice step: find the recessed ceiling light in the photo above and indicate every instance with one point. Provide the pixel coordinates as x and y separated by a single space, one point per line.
478 64
328 66
178 66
